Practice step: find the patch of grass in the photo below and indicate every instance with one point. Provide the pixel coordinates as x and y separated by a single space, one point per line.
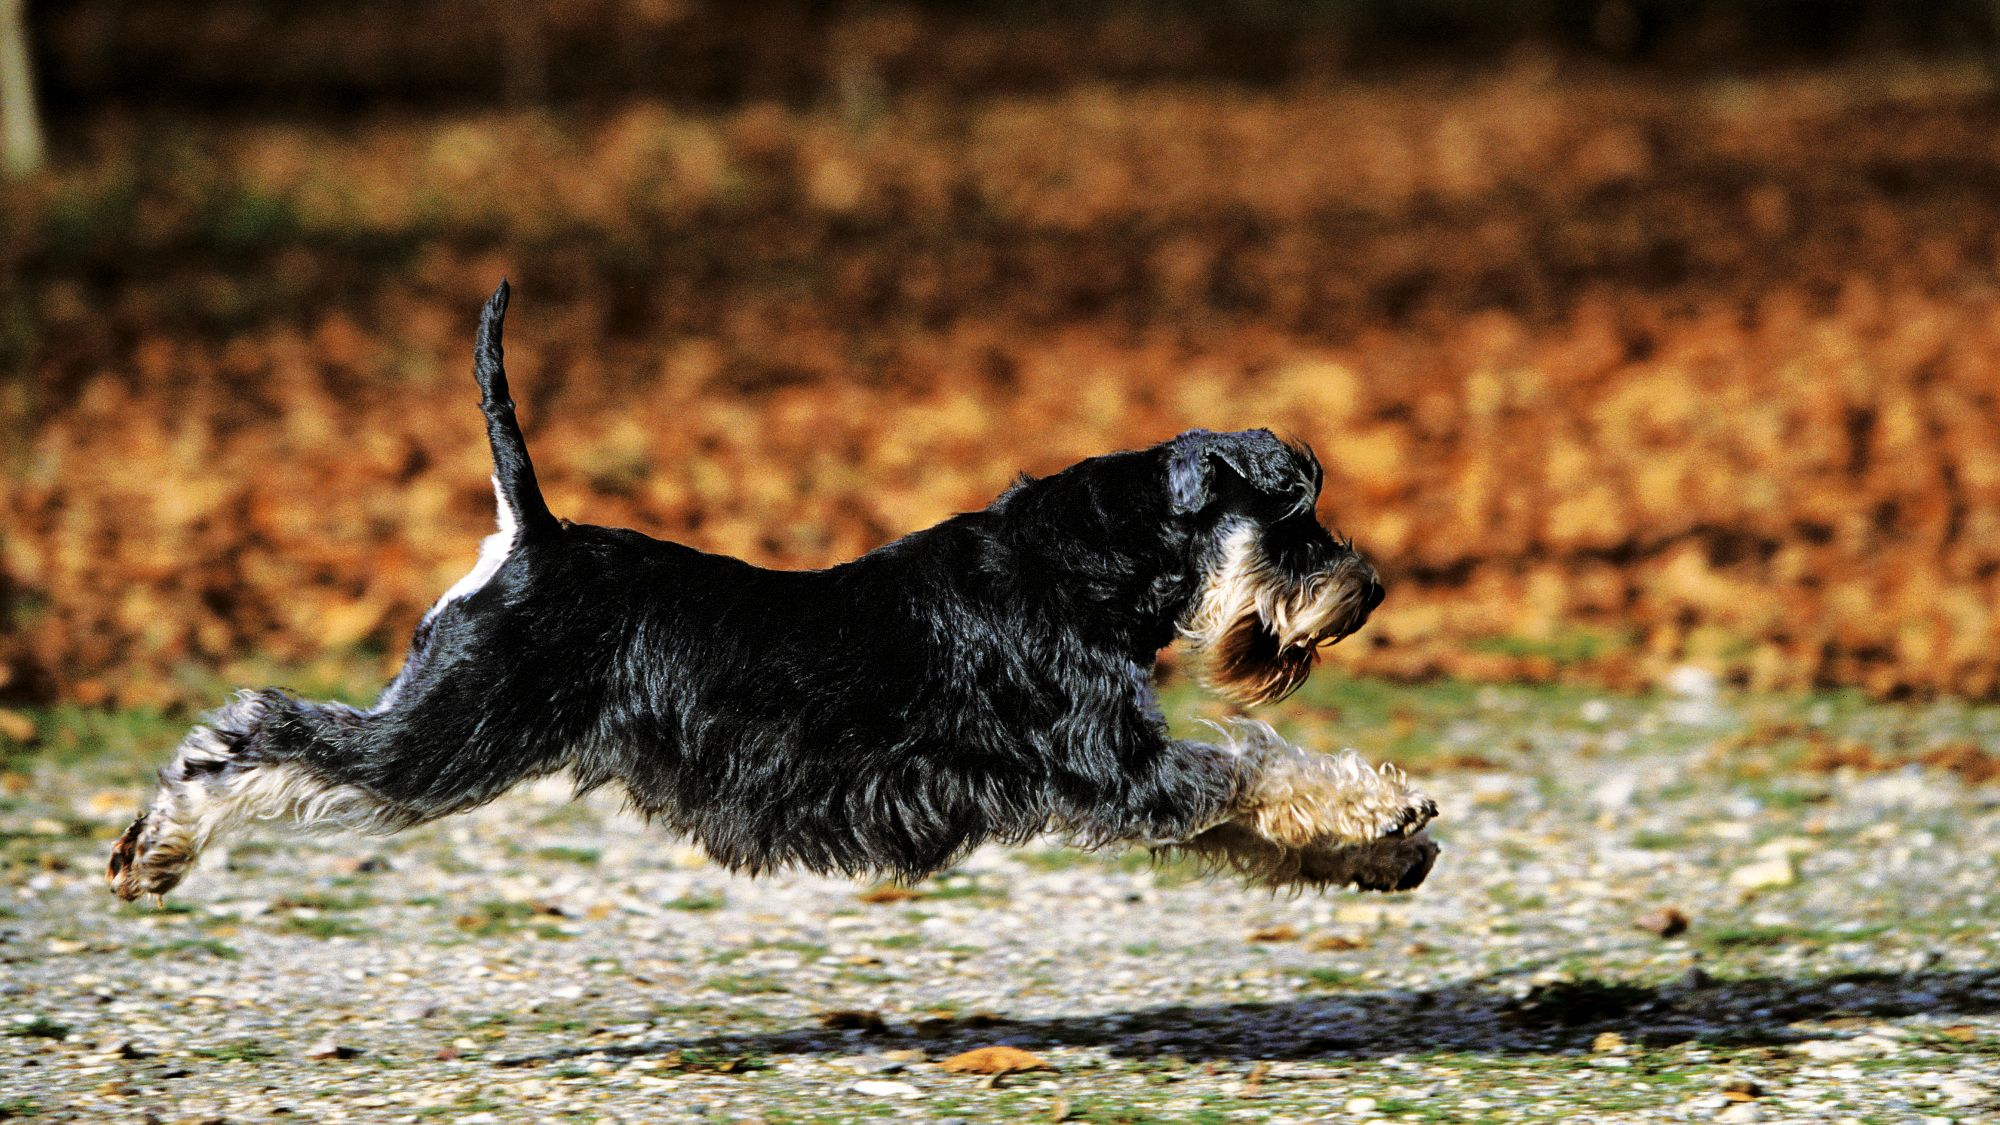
1724 939
40 1027
11 1108
1056 859
1515 900
697 902
1327 978
746 984
698 1060
559 854
222 951
899 941
324 926
1654 841
496 918
963 887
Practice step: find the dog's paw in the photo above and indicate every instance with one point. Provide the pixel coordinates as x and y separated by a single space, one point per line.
1298 799
147 860
1391 864
1398 863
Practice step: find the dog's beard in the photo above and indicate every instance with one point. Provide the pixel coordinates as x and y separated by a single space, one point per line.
1255 633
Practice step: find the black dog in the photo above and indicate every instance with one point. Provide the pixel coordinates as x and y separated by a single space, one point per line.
988 678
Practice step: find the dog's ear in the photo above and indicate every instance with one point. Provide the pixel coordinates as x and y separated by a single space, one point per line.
1202 465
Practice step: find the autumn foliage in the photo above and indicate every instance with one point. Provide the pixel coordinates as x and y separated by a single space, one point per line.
1609 374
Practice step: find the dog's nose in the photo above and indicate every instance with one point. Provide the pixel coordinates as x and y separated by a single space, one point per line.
1374 596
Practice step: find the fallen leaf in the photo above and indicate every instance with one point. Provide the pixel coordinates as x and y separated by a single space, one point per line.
994 1060
1335 943
1279 932
887 893
16 726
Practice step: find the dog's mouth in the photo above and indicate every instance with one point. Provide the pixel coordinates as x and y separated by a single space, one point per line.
1255 637
1254 662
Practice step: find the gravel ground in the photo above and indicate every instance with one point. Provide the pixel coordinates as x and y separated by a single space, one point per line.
548 960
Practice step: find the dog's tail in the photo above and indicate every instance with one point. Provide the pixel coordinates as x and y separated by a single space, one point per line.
513 473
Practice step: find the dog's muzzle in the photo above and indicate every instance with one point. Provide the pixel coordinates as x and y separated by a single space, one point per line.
1256 631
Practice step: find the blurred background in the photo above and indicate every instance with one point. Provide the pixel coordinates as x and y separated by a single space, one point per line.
1634 334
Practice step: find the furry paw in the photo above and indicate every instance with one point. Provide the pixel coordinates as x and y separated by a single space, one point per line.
1398 863
1299 799
147 861
1306 820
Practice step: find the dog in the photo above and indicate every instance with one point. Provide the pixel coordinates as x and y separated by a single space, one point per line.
986 679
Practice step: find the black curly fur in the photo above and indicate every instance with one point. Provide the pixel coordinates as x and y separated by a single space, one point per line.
988 678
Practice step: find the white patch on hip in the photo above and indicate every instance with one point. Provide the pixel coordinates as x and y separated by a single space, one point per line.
493 551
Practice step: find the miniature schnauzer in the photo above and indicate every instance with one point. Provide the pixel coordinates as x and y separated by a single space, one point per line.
989 678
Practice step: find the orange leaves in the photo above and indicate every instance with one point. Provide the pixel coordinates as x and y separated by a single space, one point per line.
1745 419
995 1061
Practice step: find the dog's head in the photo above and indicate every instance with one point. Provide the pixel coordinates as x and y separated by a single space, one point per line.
1273 584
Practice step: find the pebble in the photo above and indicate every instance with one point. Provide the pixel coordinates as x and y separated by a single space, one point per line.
877 1088
1774 872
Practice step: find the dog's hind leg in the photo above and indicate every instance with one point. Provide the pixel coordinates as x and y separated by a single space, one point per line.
251 759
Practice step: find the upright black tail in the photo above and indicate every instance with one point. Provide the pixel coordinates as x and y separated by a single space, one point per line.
513 472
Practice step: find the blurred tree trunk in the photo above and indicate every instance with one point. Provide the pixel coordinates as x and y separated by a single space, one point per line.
21 151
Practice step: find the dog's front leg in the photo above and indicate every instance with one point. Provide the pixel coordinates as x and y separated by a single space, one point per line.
1303 819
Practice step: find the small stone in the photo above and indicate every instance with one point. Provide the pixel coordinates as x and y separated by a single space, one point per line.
1691 681
326 1048
878 1088
1742 1090
1959 1094
1774 872
1360 1105
1608 1041
1666 922
1740 1112
412 1010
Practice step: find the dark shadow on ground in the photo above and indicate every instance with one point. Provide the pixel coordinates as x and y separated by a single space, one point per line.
1483 1016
